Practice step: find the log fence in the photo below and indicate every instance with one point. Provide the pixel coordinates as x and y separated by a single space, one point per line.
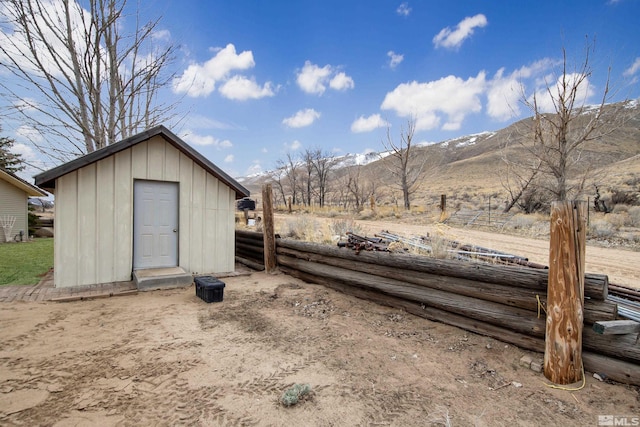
501 301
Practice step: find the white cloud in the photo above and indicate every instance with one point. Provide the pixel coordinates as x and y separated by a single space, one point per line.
451 98
633 69
403 9
548 94
202 122
453 38
293 146
395 59
161 35
367 124
206 140
255 168
229 158
504 92
200 79
241 88
302 118
503 96
341 82
26 104
29 133
25 151
314 79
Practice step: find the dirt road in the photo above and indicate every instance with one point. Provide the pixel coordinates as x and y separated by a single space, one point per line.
166 358
622 266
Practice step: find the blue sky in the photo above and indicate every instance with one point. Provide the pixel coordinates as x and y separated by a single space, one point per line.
259 79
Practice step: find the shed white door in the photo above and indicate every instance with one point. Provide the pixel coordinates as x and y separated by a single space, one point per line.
155 224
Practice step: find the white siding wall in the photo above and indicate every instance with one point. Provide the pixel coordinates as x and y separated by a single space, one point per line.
94 215
13 202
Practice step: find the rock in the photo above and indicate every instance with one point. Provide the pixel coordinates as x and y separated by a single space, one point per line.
526 361
44 232
536 366
516 384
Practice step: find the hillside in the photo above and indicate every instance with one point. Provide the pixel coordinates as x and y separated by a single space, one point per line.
472 166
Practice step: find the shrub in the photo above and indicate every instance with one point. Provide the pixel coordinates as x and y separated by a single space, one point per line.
294 394
620 209
618 220
522 222
624 198
634 216
340 227
304 228
601 229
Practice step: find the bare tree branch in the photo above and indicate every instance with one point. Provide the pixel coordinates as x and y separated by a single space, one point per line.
81 83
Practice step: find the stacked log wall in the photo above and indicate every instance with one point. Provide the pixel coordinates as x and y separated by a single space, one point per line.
503 302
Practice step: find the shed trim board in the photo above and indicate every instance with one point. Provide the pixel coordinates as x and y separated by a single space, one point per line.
94 215
47 179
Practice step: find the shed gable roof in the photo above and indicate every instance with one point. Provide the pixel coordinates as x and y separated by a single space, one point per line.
48 178
23 185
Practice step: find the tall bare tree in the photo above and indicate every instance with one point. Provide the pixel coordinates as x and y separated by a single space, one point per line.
289 170
359 186
76 77
322 163
401 162
557 136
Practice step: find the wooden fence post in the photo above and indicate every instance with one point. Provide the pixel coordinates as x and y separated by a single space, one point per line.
268 229
565 293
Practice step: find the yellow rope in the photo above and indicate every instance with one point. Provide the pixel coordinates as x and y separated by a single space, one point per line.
559 387
540 306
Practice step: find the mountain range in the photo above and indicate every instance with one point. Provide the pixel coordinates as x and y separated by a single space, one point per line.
475 164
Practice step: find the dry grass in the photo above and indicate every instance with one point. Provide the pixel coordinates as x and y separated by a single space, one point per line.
620 228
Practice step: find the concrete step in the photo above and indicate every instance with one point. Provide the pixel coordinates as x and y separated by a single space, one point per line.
161 278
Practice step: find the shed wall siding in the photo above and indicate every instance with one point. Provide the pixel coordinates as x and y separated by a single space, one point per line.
94 215
13 202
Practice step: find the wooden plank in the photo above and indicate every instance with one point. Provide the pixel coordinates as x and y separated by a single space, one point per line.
518 276
123 217
87 220
65 250
616 327
523 321
615 369
250 235
565 294
249 263
105 228
270 262
508 295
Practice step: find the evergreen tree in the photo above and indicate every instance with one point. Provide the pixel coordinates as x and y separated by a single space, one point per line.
9 161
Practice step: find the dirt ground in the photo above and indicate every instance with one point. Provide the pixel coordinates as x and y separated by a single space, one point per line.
168 358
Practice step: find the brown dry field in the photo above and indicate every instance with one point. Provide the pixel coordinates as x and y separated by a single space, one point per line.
167 358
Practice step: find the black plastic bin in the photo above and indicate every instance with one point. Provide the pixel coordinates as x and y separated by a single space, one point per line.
209 289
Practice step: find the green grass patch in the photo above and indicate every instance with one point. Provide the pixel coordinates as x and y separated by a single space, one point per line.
25 263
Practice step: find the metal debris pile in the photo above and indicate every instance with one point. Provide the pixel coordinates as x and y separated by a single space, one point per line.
390 242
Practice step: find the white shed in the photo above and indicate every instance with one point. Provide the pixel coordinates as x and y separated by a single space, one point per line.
147 203
14 210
